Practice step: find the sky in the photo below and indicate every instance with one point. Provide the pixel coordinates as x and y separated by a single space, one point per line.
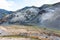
13 5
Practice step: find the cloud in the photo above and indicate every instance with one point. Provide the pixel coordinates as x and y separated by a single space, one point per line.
18 4
4 4
40 2
7 5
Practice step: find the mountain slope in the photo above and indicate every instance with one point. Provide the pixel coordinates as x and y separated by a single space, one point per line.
3 14
26 15
51 18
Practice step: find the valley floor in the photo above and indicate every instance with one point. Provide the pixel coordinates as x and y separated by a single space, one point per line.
21 32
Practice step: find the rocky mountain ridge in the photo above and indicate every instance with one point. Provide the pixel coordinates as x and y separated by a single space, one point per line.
47 15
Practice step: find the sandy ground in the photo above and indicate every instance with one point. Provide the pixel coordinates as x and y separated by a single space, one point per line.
15 38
